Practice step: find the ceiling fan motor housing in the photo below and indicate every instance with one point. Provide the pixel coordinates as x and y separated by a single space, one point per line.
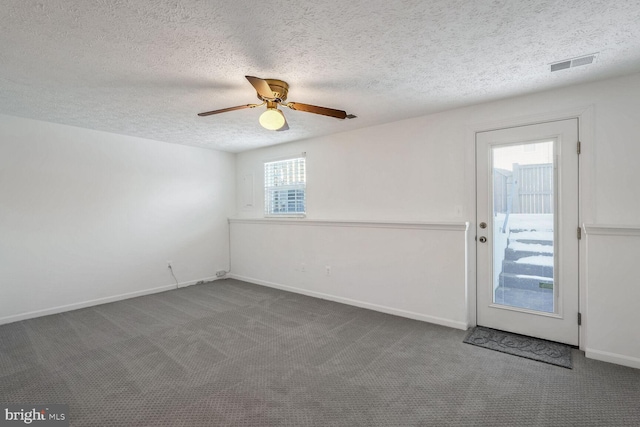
279 89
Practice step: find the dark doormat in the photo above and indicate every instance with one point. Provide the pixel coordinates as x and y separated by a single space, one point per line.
520 345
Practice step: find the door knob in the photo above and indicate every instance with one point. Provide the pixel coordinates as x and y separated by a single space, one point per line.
483 239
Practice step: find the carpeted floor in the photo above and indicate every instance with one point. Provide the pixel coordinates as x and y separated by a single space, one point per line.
232 353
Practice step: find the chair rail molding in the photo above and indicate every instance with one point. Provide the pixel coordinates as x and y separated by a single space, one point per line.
612 230
444 226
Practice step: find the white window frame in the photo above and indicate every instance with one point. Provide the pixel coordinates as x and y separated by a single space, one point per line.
295 180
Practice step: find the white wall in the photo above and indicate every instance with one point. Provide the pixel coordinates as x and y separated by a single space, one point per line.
423 169
614 294
386 266
88 217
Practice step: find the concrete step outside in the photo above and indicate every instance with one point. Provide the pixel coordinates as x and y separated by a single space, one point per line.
538 267
518 249
541 300
521 281
531 234
513 254
512 240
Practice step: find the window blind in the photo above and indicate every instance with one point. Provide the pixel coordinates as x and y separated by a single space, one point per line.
285 187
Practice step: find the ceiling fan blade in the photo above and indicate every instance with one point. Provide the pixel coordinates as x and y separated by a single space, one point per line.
224 110
261 86
339 114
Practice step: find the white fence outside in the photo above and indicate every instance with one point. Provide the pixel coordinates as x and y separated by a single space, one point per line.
527 190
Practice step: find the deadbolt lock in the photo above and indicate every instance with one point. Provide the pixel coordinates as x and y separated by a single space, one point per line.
483 225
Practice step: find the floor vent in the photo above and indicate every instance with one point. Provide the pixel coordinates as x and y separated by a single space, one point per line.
576 62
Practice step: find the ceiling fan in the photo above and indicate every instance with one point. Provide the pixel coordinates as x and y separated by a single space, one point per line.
273 92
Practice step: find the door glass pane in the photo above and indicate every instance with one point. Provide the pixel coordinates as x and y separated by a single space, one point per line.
523 226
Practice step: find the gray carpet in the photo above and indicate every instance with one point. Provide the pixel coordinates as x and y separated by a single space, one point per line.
236 354
522 346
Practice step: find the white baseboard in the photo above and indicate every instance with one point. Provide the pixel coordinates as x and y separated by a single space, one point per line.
362 304
618 359
98 301
194 282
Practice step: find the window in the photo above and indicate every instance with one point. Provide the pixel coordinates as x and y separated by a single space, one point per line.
285 184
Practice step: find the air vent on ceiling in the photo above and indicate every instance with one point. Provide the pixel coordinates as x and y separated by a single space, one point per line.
575 62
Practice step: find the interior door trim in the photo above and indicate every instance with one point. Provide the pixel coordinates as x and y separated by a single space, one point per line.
564 223
585 113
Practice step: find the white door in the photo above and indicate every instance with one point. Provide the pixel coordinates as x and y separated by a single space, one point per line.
527 230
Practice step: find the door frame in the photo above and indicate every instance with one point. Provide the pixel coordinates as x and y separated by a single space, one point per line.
586 207
561 323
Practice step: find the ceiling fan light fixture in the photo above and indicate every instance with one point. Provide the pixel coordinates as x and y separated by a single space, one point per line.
272 119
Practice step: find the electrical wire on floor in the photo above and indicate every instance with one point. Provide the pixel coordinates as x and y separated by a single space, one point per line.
174 276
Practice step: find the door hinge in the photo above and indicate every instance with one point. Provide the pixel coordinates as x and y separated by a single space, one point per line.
579 233
579 147
579 319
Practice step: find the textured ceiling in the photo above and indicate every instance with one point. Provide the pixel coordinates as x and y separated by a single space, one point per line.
145 68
